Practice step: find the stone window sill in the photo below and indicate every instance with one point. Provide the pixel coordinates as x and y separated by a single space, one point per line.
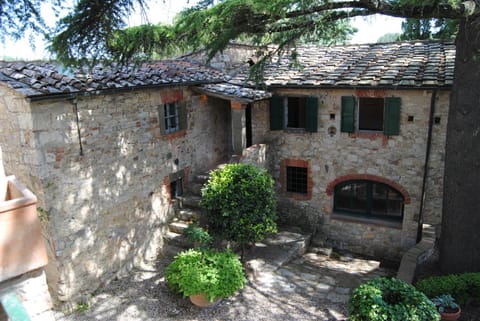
365 220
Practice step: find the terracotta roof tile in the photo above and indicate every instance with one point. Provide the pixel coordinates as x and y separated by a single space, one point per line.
49 78
405 64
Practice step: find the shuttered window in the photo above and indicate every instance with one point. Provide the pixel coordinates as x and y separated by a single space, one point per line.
172 117
294 112
348 114
276 113
392 116
311 123
372 114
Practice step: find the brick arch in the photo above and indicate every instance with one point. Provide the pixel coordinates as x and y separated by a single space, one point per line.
368 177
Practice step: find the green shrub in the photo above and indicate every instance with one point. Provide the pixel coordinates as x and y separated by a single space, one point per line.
389 299
240 203
217 274
460 286
199 236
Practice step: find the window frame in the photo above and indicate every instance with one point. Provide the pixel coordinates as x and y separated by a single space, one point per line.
168 117
350 111
286 108
279 114
368 213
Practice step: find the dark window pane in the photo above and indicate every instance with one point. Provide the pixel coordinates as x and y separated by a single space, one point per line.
369 199
296 112
370 114
297 180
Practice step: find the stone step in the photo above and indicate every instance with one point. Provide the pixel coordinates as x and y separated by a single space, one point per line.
171 250
188 214
189 201
277 250
195 188
177 226
177 240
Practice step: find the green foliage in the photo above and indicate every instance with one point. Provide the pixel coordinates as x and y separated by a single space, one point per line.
445 302
199 236
82 37
389 299
389 37
81 307
217 274
240 203
425 29
461 286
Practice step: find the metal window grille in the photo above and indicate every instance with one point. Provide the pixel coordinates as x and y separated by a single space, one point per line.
297 179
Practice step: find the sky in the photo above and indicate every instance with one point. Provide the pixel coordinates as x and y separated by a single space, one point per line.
369 29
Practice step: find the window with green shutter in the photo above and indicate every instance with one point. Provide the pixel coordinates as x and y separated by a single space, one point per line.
372 115
311 122
172 117
348 114
276 113
392 116
294 113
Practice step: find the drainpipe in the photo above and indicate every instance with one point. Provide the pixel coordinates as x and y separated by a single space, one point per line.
427 159
75 111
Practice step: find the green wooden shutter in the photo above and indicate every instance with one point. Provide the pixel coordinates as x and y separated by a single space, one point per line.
348 114
276 113
391 123
311 121
161 119
182 115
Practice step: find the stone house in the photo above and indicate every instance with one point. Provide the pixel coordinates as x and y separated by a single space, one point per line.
354 137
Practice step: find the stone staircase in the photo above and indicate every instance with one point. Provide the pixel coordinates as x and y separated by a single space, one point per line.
187 211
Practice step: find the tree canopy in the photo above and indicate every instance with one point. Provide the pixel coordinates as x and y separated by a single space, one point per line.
95 30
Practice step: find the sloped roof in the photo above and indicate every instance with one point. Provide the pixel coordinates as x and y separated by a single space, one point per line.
417 64
35 79
232 91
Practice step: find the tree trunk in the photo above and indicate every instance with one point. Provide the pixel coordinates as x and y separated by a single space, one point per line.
460 235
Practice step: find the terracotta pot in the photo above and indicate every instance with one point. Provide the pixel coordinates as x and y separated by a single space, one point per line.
450 316
200 300
22 248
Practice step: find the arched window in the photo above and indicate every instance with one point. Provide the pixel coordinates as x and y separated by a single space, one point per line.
370 199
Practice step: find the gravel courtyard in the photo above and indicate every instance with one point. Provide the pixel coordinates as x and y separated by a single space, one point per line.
311 287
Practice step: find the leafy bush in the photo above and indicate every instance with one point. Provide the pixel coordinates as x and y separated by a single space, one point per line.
217 274
445 303
390 299
199 236
460 286
240 203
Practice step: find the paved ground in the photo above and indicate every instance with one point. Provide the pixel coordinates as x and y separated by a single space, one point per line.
311 287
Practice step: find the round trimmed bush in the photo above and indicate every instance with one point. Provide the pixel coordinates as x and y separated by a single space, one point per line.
240 203
390 299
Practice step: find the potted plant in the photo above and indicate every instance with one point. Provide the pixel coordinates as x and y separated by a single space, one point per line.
447 307
205 276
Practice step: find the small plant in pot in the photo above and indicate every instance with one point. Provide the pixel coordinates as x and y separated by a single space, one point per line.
447 307
208 274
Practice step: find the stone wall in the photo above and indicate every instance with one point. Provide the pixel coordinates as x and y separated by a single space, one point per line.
100 181
399 159
230 59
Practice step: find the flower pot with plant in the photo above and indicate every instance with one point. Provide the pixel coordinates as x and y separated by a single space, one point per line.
212 274
447 307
